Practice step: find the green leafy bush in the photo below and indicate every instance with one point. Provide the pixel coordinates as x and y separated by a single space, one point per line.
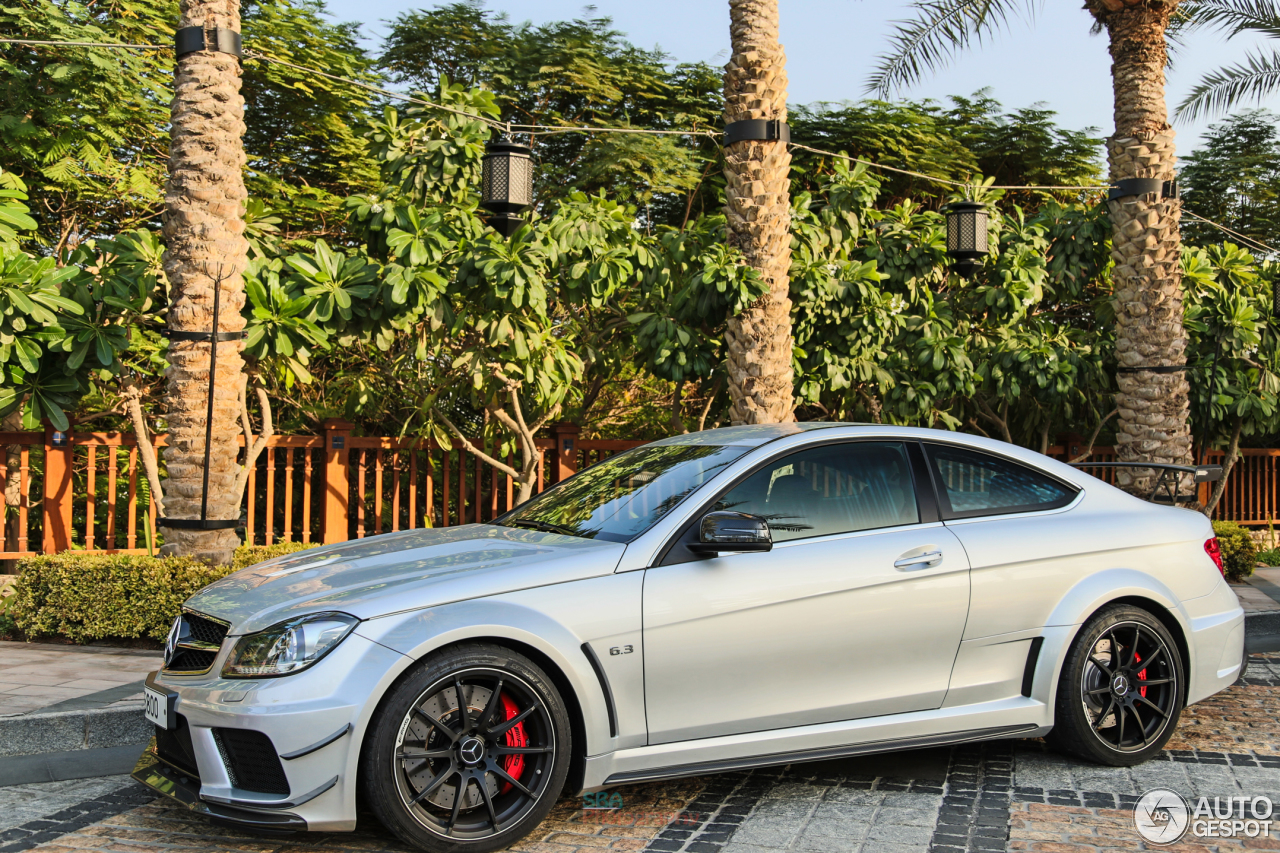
99 596
1239 554
251 555
1269 557
8 626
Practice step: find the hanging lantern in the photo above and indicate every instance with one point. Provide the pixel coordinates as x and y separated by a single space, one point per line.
967 236
507 186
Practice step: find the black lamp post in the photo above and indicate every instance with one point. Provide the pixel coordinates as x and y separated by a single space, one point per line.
507 186
967 236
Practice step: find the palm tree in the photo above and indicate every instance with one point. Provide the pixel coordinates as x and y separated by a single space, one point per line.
758 208
1252 79
204 236
1146 242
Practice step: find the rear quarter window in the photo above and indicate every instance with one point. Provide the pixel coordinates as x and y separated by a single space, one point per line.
972 484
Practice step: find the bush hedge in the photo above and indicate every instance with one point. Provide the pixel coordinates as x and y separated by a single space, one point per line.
86 596
1239 554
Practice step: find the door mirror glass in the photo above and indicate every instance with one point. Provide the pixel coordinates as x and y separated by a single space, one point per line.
729 532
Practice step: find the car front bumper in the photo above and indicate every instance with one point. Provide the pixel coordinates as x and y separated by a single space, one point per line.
309 727
184 789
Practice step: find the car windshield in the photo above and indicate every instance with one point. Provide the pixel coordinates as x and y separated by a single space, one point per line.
620 498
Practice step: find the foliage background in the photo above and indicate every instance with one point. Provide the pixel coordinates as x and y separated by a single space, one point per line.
376 293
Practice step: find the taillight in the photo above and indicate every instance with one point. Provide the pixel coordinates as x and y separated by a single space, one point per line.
1215 553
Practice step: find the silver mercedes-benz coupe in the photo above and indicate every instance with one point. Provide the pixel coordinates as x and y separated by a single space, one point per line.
733 598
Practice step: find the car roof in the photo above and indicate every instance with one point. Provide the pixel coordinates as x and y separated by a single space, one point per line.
759 434
752 435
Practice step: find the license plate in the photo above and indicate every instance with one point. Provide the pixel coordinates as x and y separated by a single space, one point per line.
157 706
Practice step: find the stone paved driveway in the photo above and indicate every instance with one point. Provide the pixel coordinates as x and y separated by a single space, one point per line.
1000 796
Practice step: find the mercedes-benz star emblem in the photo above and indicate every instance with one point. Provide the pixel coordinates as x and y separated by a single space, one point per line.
1120 685
472 750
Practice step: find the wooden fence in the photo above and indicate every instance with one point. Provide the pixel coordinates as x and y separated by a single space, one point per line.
86 490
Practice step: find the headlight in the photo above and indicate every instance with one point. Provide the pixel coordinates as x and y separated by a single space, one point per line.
288 647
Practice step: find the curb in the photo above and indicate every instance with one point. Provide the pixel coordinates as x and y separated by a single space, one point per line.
67 731
62 766
1262 632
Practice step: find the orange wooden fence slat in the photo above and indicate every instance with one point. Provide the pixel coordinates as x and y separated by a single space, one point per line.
24 489
90 498
288 494
269 511
306 496
131 533
111 496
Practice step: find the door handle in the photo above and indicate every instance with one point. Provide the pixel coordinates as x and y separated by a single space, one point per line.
927 560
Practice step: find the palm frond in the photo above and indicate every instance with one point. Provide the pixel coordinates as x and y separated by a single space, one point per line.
1252 80
1230 16
940 30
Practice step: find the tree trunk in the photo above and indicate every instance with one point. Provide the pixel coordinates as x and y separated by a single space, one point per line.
10 532
1228 462
758 208
1153 423
204 234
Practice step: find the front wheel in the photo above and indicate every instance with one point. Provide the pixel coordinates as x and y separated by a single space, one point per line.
468 753
1121 691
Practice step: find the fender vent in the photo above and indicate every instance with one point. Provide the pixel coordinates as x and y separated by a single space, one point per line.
1029 673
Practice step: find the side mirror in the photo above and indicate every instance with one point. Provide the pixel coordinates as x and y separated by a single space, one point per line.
732 532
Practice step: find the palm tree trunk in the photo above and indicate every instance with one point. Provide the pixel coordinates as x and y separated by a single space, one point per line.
204 234
758 207
1153 423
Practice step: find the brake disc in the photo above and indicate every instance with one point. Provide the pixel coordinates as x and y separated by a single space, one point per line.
1095 678
444 707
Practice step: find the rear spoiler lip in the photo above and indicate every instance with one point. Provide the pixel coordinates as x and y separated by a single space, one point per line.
1203 473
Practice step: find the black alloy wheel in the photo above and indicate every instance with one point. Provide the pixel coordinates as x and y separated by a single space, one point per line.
469 752
1122 689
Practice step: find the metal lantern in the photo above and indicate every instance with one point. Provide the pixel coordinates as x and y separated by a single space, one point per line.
507 189
967 236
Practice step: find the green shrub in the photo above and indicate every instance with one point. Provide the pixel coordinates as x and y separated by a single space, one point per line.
8 626
1270 557
251 555
1239 554
99 596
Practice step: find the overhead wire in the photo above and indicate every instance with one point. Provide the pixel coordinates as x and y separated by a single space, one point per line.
945 181
39 43
1256 244
262 57
551 130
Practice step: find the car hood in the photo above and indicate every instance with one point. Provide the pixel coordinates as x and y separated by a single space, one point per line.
402 571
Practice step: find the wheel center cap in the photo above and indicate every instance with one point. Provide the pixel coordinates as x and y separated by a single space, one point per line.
471 750
1120 685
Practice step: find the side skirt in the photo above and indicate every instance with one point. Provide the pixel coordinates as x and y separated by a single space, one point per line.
920 741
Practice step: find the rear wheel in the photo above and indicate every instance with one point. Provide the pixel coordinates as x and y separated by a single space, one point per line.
468 753
1122 689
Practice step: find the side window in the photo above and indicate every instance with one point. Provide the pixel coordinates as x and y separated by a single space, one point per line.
971 483
837 488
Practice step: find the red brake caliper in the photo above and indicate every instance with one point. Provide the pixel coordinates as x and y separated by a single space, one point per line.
513 764
1142 676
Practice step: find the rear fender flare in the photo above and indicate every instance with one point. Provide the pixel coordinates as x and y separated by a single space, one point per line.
1095 592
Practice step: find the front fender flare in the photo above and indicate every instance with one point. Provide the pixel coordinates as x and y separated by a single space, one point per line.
418 633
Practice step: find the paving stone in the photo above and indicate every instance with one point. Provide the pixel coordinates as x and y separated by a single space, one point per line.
976 798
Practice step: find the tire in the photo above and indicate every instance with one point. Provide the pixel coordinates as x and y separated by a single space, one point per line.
1116 707
448 782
